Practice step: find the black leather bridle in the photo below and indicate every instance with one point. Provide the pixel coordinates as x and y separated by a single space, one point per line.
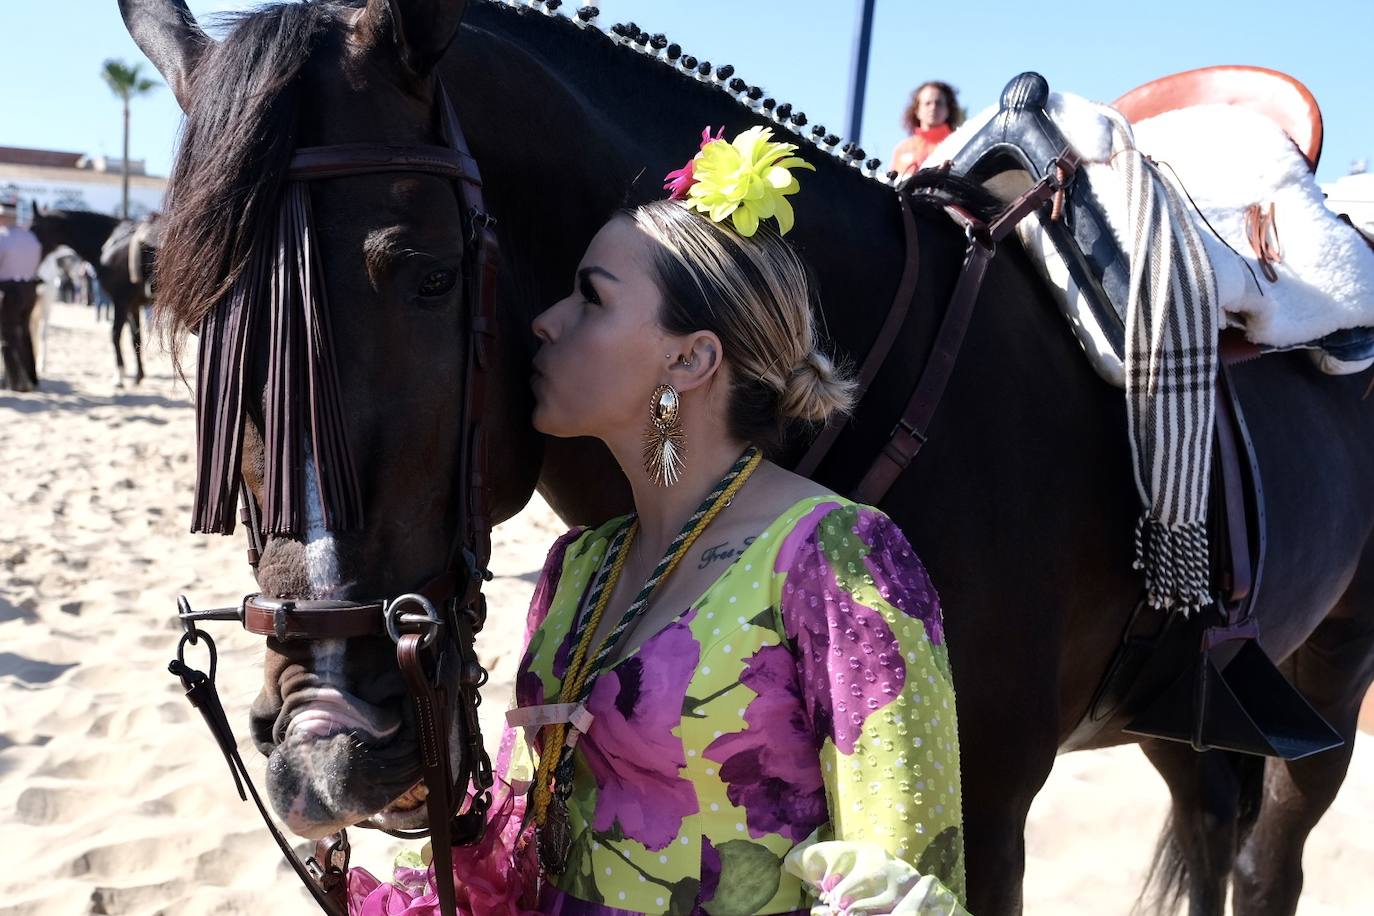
433 628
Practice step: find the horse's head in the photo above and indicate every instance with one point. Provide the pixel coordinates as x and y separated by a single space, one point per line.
360 502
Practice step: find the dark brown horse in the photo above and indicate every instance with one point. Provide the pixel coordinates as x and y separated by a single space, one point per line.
1022 503
86 233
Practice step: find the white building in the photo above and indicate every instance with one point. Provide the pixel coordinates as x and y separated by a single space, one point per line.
72 181
1354 195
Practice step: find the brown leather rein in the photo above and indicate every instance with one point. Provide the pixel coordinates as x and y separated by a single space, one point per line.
434 628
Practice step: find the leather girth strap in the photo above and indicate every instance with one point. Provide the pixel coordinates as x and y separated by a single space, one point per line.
911 430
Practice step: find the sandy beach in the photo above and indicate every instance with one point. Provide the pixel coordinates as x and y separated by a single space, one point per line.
113 797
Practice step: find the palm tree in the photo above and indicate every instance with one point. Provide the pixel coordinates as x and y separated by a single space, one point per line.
126 83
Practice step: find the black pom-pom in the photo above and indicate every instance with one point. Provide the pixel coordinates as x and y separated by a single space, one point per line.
769 104
755 93
659 42
704 68
674 51
799 119
738 85
689 62
818 131
847 148
891 176
785 110
631 29
873 164
619 29
725 71
552 5
857 152
831 139
588 13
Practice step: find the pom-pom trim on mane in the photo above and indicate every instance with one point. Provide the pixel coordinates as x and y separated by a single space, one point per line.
659 48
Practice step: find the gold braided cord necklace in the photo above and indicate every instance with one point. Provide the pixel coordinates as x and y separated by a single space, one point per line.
549 794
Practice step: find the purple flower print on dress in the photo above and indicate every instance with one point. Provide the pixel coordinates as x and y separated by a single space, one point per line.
710 874
631 749
771 769
851 663
898 574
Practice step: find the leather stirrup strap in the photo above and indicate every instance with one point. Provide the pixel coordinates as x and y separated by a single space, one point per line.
1240 568
911 430
882 344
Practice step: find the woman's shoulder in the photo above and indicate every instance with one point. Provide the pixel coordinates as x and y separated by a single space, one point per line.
793 510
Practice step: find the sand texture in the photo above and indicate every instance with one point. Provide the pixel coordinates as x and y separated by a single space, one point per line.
113 798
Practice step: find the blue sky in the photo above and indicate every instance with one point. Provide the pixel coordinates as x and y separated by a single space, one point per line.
798 50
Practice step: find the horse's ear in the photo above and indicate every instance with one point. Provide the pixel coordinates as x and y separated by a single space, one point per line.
167 33
421 30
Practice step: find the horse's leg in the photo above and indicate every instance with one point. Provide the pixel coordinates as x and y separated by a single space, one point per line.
38 332
116 332
1198 845
995 809
136 329
1333 669
997 797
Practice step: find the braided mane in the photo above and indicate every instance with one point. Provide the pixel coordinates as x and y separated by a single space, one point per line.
670 55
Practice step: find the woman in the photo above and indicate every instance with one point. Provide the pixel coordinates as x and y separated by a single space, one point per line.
930 117
737 699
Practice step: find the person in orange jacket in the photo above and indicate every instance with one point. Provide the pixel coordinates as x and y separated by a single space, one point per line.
930 117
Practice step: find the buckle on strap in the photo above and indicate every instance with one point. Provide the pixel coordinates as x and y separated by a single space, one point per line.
905 426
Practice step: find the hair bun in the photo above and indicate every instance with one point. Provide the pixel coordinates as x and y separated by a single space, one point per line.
817 390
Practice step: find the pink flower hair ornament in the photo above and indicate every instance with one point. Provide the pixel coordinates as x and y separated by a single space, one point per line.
747 179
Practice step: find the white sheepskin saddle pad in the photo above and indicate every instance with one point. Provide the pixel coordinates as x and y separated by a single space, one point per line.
1228 158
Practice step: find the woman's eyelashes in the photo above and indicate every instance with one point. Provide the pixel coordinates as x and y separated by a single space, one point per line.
588 291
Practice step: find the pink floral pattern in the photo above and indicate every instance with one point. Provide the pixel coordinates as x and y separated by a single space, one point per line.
631 748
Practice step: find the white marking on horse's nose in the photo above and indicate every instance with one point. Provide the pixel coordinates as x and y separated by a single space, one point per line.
321 559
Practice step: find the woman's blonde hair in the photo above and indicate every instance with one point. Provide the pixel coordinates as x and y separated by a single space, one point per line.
757 296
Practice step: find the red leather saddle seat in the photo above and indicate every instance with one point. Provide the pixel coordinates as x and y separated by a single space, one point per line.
1277 95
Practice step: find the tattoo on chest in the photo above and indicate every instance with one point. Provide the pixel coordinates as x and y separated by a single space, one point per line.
725 551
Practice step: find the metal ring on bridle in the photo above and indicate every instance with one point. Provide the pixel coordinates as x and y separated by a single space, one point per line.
395 620
190 637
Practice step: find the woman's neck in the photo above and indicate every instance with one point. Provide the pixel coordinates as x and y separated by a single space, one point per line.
662 510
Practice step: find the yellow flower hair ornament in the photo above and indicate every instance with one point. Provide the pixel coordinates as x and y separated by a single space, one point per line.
746 179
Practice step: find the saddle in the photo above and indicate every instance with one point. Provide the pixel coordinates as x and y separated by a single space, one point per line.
1289 273
1277 96
132 246
1230 695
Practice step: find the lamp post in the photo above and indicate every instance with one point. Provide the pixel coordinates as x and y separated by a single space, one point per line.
858 73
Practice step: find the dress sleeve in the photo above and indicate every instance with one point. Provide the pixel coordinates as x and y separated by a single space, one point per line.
514 762
863 620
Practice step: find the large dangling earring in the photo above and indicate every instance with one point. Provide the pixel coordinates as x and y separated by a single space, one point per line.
665 445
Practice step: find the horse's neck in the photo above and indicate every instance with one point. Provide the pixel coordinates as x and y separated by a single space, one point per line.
565 125
84 236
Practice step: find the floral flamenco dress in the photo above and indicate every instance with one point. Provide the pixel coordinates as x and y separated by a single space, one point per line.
787 744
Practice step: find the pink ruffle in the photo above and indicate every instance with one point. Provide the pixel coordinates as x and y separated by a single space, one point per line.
496 877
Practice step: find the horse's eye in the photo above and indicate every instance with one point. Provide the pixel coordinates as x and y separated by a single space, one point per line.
438 283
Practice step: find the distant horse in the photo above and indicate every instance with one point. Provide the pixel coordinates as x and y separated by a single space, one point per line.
87 233
1022 504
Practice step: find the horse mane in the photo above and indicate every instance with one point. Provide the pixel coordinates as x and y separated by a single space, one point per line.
78 219
240 133
233 155
930 188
